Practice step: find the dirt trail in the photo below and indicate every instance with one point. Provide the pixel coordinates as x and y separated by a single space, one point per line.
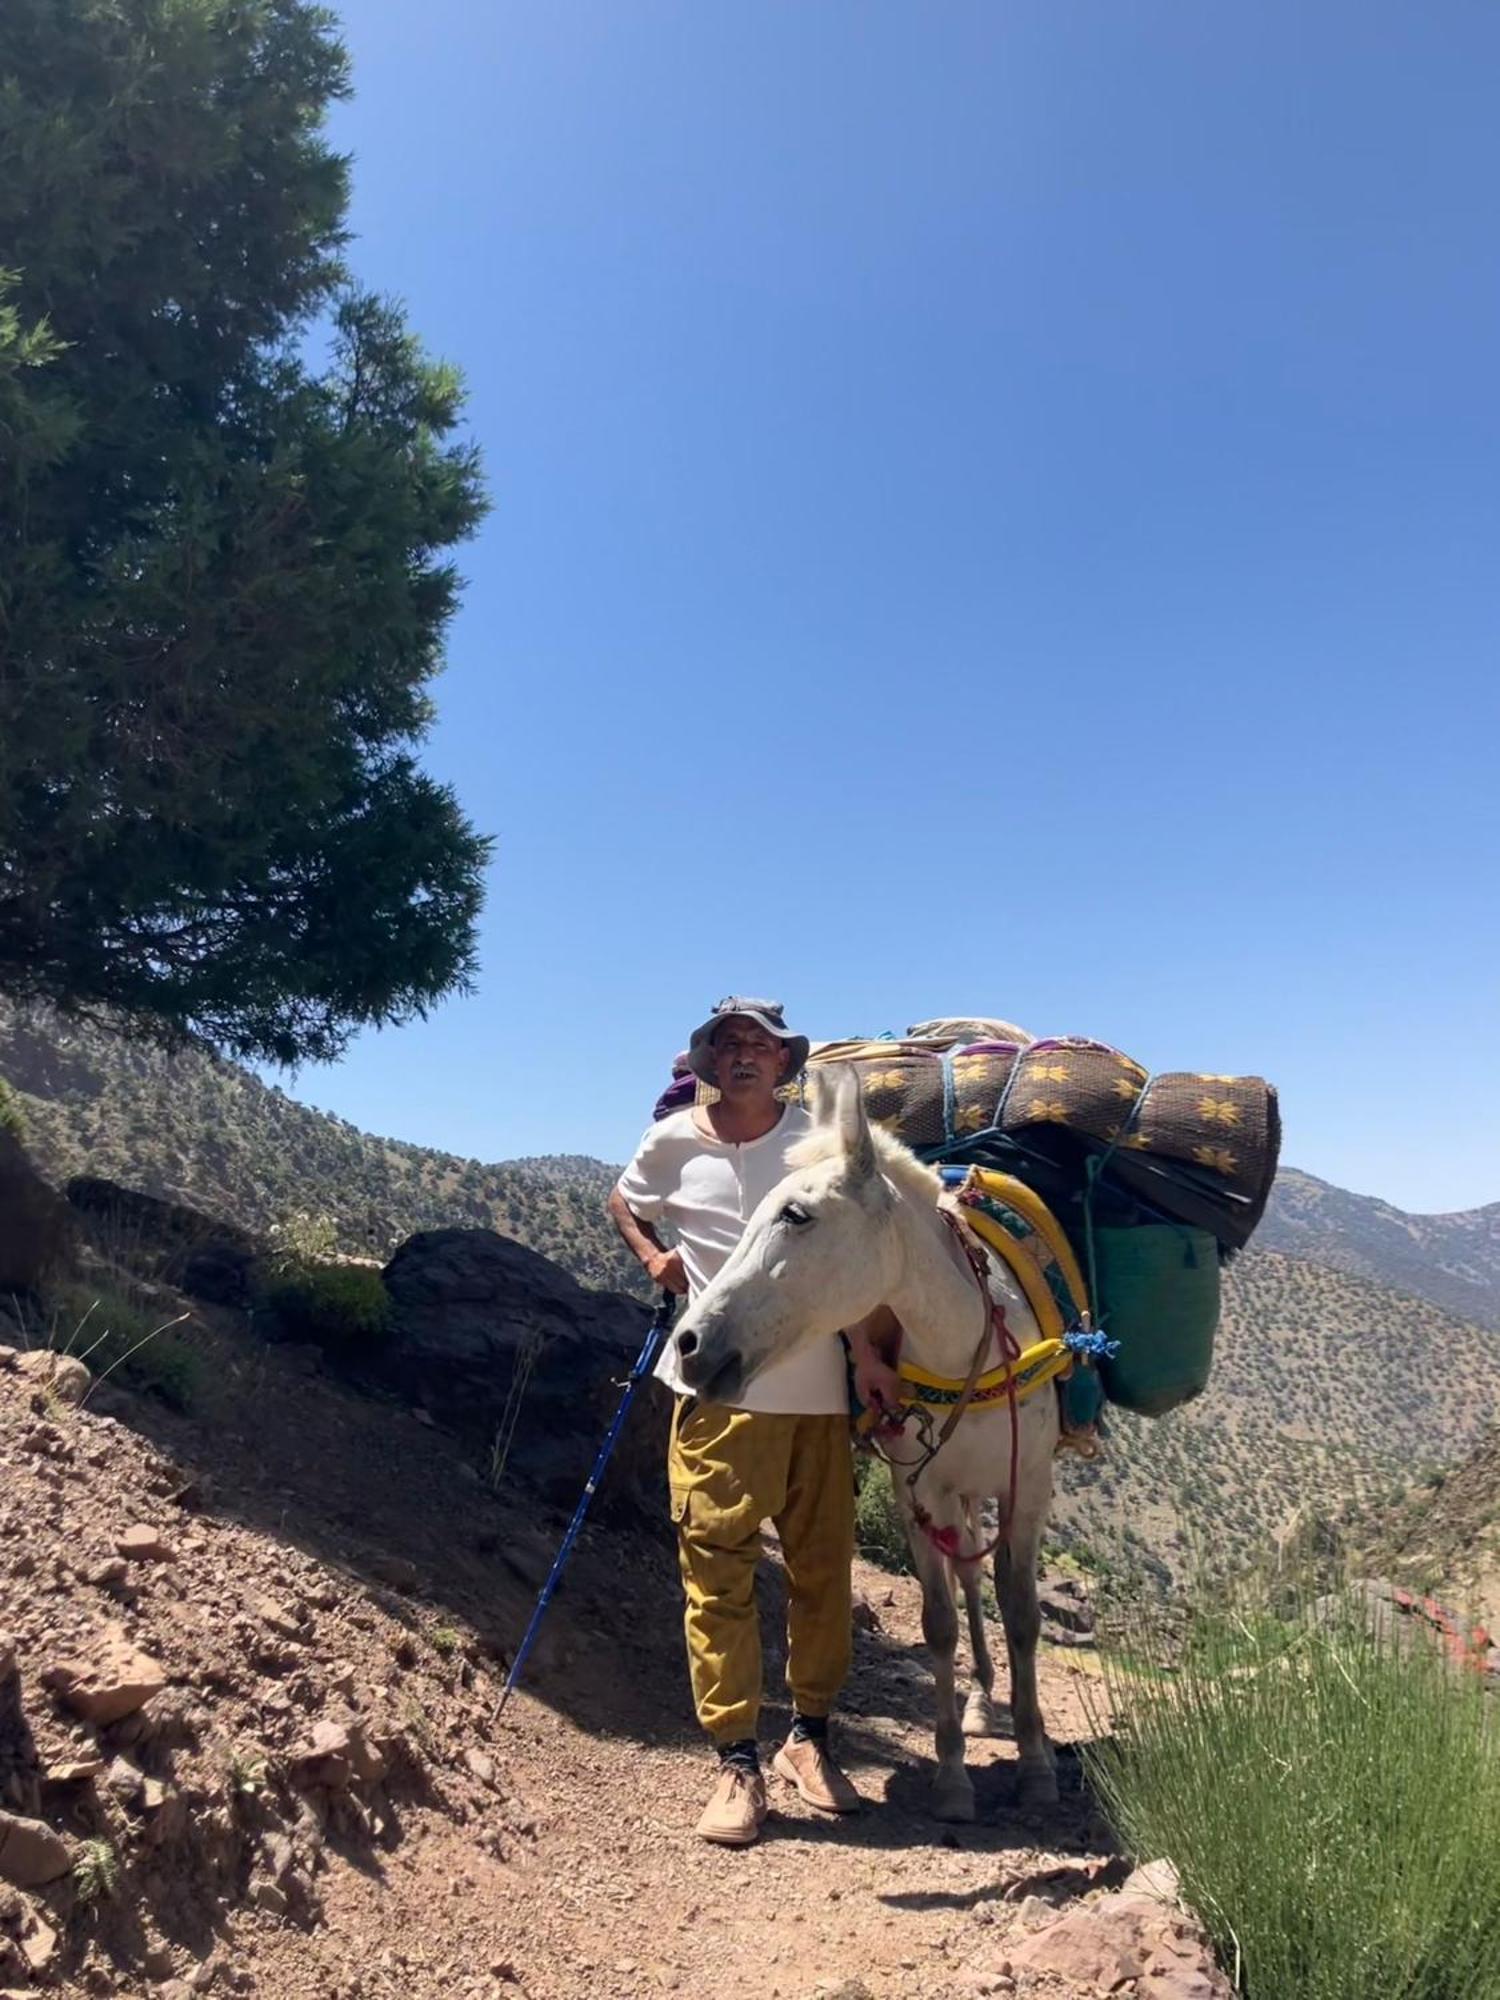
636 1903
550 1856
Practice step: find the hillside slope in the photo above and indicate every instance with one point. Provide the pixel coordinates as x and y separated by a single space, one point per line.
1442 1535
208 1132
1454 1260
186 1124
1326 1388
317 1802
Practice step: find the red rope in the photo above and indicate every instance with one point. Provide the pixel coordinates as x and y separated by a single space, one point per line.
946 1540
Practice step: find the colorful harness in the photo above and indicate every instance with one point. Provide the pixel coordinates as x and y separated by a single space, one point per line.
997 1217
1045 1361
1021 1232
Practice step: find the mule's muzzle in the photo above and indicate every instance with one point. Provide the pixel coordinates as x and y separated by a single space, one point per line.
712 1369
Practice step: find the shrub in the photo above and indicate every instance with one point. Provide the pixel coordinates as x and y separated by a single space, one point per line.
300 1241
878 1527
343 1307
1330 1796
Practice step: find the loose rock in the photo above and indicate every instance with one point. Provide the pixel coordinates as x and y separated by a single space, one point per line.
278 1618
59 1375
38 1942
1122 1938
73 1770
144 1544
31 1854
111 1683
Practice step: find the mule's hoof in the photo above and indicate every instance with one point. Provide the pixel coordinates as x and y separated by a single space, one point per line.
980 1718
1037 1789
953 1803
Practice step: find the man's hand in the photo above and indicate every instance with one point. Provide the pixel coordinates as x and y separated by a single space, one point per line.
665 1270
874 1344
661 1265
877 1384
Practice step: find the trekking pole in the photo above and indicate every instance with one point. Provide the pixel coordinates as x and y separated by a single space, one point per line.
661 1321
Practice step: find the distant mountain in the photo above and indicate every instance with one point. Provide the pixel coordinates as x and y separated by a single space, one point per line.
1454 1260
1358 1343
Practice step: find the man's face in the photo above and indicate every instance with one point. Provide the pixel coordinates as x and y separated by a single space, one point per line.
747 1061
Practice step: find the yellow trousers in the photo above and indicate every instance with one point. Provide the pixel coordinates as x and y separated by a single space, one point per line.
729 1470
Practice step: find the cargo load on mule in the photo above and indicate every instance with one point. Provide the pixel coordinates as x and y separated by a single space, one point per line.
1154 1180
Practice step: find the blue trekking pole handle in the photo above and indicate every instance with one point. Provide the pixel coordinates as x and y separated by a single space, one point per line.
661 1321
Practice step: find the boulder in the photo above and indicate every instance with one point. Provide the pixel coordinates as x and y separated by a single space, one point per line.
168 1240
468 1306
1067 1615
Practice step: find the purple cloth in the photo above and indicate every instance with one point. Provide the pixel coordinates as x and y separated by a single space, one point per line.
679 1093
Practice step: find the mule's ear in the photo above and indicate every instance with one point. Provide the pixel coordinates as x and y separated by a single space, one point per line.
853 1122
818 1094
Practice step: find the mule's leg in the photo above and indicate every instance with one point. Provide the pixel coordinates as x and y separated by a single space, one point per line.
980 1718
952 1791
1015 1586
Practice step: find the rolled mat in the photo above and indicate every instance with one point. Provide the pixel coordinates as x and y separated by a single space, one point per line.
1070 1115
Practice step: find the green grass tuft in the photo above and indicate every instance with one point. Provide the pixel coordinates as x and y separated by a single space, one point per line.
1330 1797
116 1336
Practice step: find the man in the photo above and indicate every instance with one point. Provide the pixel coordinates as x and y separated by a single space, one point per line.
781 1452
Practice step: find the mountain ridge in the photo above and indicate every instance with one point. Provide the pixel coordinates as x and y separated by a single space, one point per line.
1452 1258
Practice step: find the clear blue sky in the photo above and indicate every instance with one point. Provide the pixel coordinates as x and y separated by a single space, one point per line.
996 510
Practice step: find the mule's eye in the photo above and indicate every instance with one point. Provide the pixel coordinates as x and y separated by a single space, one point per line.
796 1215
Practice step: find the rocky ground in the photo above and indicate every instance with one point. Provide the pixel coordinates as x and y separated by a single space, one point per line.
248 1684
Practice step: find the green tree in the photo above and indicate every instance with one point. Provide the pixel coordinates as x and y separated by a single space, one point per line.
224 568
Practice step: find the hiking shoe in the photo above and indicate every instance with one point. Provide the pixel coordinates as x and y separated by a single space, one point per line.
734 1814
808 1766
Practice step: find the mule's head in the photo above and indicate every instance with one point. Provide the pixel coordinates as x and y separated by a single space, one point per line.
816 1255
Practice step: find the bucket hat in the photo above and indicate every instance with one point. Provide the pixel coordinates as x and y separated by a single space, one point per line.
765 1014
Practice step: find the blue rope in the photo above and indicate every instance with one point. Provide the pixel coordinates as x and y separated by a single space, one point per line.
1090 1344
